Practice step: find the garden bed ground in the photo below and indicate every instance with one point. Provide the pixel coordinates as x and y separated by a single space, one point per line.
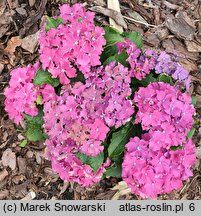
163 25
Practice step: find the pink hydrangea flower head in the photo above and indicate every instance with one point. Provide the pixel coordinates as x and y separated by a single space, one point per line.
22 93
68 166
164 109
150 172
77 43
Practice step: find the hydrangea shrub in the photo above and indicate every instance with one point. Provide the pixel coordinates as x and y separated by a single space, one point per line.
104 107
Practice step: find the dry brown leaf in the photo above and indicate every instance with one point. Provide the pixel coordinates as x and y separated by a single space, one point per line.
3 174
12 44
9 158
30 43
115 15
135 15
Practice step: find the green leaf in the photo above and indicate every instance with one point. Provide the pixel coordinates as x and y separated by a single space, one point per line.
121 58
34 130
120 138
23 143
134 37
108 52
148 79
114 171
44 77
39 100
194 100
191 133
53 23
35 133
174 148
93 161
166 79
112 36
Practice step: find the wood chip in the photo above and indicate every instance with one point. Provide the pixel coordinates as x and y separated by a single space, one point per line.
3 174
32 2
9 158
180 28
21 11
193 46
21 165
4 194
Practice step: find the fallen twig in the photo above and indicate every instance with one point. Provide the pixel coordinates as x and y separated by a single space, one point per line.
137 21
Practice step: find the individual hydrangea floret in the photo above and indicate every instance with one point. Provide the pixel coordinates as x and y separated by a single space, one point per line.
69 167
165 111
77 43
22 93
152 172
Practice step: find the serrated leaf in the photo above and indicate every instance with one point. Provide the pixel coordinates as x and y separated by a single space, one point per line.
112 36
53 23
44 77
194 100
23 143
120 138
93 161
34 130
191 133
166 79
114 171
134 37
35 133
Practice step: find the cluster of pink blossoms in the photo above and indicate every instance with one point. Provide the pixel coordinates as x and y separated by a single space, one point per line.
84 112
151 172
69 167
79 119
166 114
22 93
141 64
77 43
